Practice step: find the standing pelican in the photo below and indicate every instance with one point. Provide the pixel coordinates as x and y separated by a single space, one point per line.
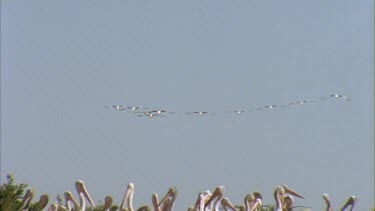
128 199
218 195
108 201
155 202
29 195
69 197
351 202
279 196
81 188
227 205
327 199
172 193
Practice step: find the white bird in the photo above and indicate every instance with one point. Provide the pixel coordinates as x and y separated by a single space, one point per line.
352 201
128 199
81 189
337 96
327 200
201 112
218 195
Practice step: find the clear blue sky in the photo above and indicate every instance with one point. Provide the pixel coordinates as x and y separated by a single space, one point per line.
63 61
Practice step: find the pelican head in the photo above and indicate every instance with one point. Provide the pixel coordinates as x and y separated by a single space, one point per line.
292 192
352 200
29 195
327 200
81 188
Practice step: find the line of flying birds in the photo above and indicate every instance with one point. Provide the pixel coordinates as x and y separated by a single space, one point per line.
206 201
142 111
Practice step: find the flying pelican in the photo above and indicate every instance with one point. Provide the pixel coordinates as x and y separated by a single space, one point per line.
81 188
327 200
237 111
172 192
155 202
149 115
133 108
128 199
352 200
201 112
161 111
270 107
218 193
117 107
226 204
108 201
279 196
337 96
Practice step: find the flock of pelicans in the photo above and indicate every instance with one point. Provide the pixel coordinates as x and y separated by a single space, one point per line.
142 111
206 201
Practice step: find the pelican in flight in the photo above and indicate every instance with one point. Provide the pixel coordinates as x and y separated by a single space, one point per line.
172 194
201 113
352 200
337 96
218 195
270 107
81 189
134 108
237 111
117 107
128 199
150 115
327 200
160 111
279 196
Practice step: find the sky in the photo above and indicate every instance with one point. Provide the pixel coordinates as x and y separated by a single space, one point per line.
63 62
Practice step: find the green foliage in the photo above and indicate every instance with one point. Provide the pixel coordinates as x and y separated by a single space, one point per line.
11 195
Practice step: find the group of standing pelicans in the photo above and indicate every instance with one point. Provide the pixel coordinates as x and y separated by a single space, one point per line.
206 201
142 111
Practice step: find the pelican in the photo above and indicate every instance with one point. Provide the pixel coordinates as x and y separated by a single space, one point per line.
54 207
108 201
43 201
117 107
249 200
29 195
218 193
133 108
237 111
149 115
161 111
337 96
352 200
327 199
81 188
226 204
257 205
172 192
269 107
201 199
279 196
155 202
201 112
69 197
128 199
144 208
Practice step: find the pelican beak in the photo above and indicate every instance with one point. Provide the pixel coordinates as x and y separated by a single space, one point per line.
292 192
81 188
